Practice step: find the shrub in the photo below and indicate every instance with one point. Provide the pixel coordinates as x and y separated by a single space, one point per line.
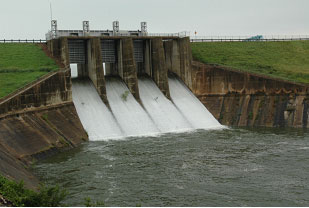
125 95
89 203
22 197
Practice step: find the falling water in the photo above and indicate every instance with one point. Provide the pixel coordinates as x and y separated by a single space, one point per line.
196 113
164 113
132 118
126 117
96 118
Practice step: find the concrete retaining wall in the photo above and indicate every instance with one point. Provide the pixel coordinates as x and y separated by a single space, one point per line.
36 122
242 99
34 135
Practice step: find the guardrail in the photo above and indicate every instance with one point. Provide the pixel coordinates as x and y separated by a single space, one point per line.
22 41
248 38
244 40
180 34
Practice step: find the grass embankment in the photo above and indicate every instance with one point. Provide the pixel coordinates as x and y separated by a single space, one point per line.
19 196
284 60
21 64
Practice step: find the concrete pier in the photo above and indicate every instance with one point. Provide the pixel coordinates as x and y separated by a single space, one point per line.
129 74
159 68
95 67
178 58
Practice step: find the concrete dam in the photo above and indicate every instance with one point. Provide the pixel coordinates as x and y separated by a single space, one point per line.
124 85
129 102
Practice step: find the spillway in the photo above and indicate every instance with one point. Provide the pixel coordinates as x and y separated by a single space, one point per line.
127 117
96 118
162 111
195 112
132 118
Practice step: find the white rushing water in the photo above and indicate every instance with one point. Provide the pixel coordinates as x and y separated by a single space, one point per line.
132 118
191 107
96 118
162 111
126 117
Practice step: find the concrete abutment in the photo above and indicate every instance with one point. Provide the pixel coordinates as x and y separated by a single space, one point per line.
178 58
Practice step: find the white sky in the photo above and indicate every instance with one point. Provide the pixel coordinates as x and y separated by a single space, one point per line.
31 18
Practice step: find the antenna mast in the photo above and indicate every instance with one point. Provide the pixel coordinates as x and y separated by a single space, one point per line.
51 11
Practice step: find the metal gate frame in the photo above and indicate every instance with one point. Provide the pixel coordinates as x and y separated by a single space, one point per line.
77 51
108 51
138 51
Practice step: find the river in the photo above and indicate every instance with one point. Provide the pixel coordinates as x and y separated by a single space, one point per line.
229 167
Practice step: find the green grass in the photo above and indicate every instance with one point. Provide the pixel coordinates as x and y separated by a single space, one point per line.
284 60
17 194
9 82
21 64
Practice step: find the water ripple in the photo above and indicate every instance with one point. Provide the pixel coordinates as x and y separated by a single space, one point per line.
234 167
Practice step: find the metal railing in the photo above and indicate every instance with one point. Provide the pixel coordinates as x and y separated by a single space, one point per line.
22 41
180 34
248 38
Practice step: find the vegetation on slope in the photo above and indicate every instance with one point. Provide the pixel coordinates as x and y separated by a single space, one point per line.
19 196
21 64
284 60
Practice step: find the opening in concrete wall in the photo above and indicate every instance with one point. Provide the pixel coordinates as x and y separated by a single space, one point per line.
109 57
74 73
104 70
139 56
78 57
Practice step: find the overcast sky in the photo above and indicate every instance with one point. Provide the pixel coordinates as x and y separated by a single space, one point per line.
31 18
